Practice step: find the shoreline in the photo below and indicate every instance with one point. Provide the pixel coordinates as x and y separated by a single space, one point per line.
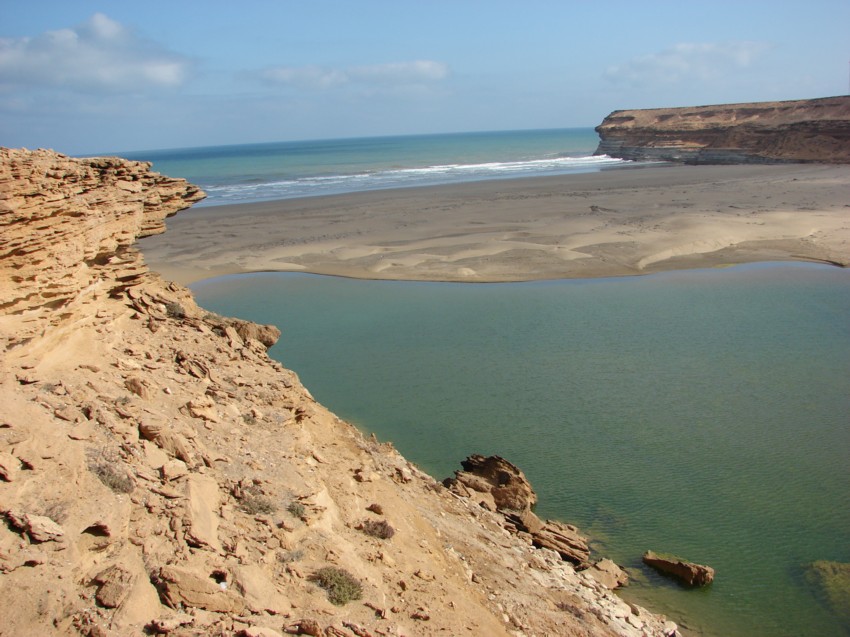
588 225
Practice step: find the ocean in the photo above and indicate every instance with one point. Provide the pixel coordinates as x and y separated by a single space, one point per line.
281 170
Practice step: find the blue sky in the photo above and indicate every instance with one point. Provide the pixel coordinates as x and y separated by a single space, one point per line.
92 76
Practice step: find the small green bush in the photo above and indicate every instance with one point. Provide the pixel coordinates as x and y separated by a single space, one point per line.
342 586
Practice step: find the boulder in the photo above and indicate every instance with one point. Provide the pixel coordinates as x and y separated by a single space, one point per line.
202 502
607 573
505 482
565 540
687 573
188 587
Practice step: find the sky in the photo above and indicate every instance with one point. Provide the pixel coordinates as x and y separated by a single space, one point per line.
85 77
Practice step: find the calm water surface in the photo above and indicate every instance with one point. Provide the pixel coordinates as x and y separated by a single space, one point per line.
700 413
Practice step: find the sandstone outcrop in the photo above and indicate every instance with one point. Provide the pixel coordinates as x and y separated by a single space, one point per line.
502 485
816 130
496 484
161 475
688 573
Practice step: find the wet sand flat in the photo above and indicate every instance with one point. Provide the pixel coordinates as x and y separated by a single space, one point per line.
609 223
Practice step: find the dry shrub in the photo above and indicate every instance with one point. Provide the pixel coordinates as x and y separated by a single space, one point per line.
377 528
342 586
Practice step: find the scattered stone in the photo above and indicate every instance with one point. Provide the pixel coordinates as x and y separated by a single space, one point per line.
305 627
607 573
202 502
184 586
688 573
258 631
257 588
68 414
375 508
421 613
9 466
204 408
114 585
170 624
173 469
138 387
39 528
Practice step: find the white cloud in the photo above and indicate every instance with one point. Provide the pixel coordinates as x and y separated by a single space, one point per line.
688 62
100 55
392 74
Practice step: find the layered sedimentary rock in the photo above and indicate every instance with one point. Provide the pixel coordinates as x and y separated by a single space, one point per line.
159 474
816 130
68 224
497 484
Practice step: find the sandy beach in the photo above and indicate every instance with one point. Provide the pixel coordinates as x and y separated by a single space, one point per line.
610 223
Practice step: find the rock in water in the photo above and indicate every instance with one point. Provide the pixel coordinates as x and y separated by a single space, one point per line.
833 581
687 573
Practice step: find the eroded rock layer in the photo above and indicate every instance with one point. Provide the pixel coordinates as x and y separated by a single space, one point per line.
159 474
816 130
68 224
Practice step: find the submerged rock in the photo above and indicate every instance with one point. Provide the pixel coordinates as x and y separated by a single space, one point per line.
832 579
687 573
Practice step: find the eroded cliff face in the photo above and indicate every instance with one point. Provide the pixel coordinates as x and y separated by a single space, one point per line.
816 130
159 474
68 226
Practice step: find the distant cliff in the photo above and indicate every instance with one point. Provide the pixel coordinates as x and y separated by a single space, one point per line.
816 130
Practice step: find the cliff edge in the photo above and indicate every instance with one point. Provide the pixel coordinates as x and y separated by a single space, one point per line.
159 474
816 130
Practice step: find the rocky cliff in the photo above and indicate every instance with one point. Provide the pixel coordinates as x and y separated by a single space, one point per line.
816 130
159 474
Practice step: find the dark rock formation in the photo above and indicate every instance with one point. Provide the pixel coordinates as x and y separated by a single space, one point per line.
816 130
501 482
497 484
687 573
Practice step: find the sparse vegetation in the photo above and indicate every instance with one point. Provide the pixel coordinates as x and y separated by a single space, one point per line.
252 499
342 586
296 509
255 504
290 556
110 470
377 528
175 310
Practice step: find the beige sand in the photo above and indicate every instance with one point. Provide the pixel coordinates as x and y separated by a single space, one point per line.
610 223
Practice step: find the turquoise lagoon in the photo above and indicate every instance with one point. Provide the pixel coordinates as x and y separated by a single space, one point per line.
702 413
